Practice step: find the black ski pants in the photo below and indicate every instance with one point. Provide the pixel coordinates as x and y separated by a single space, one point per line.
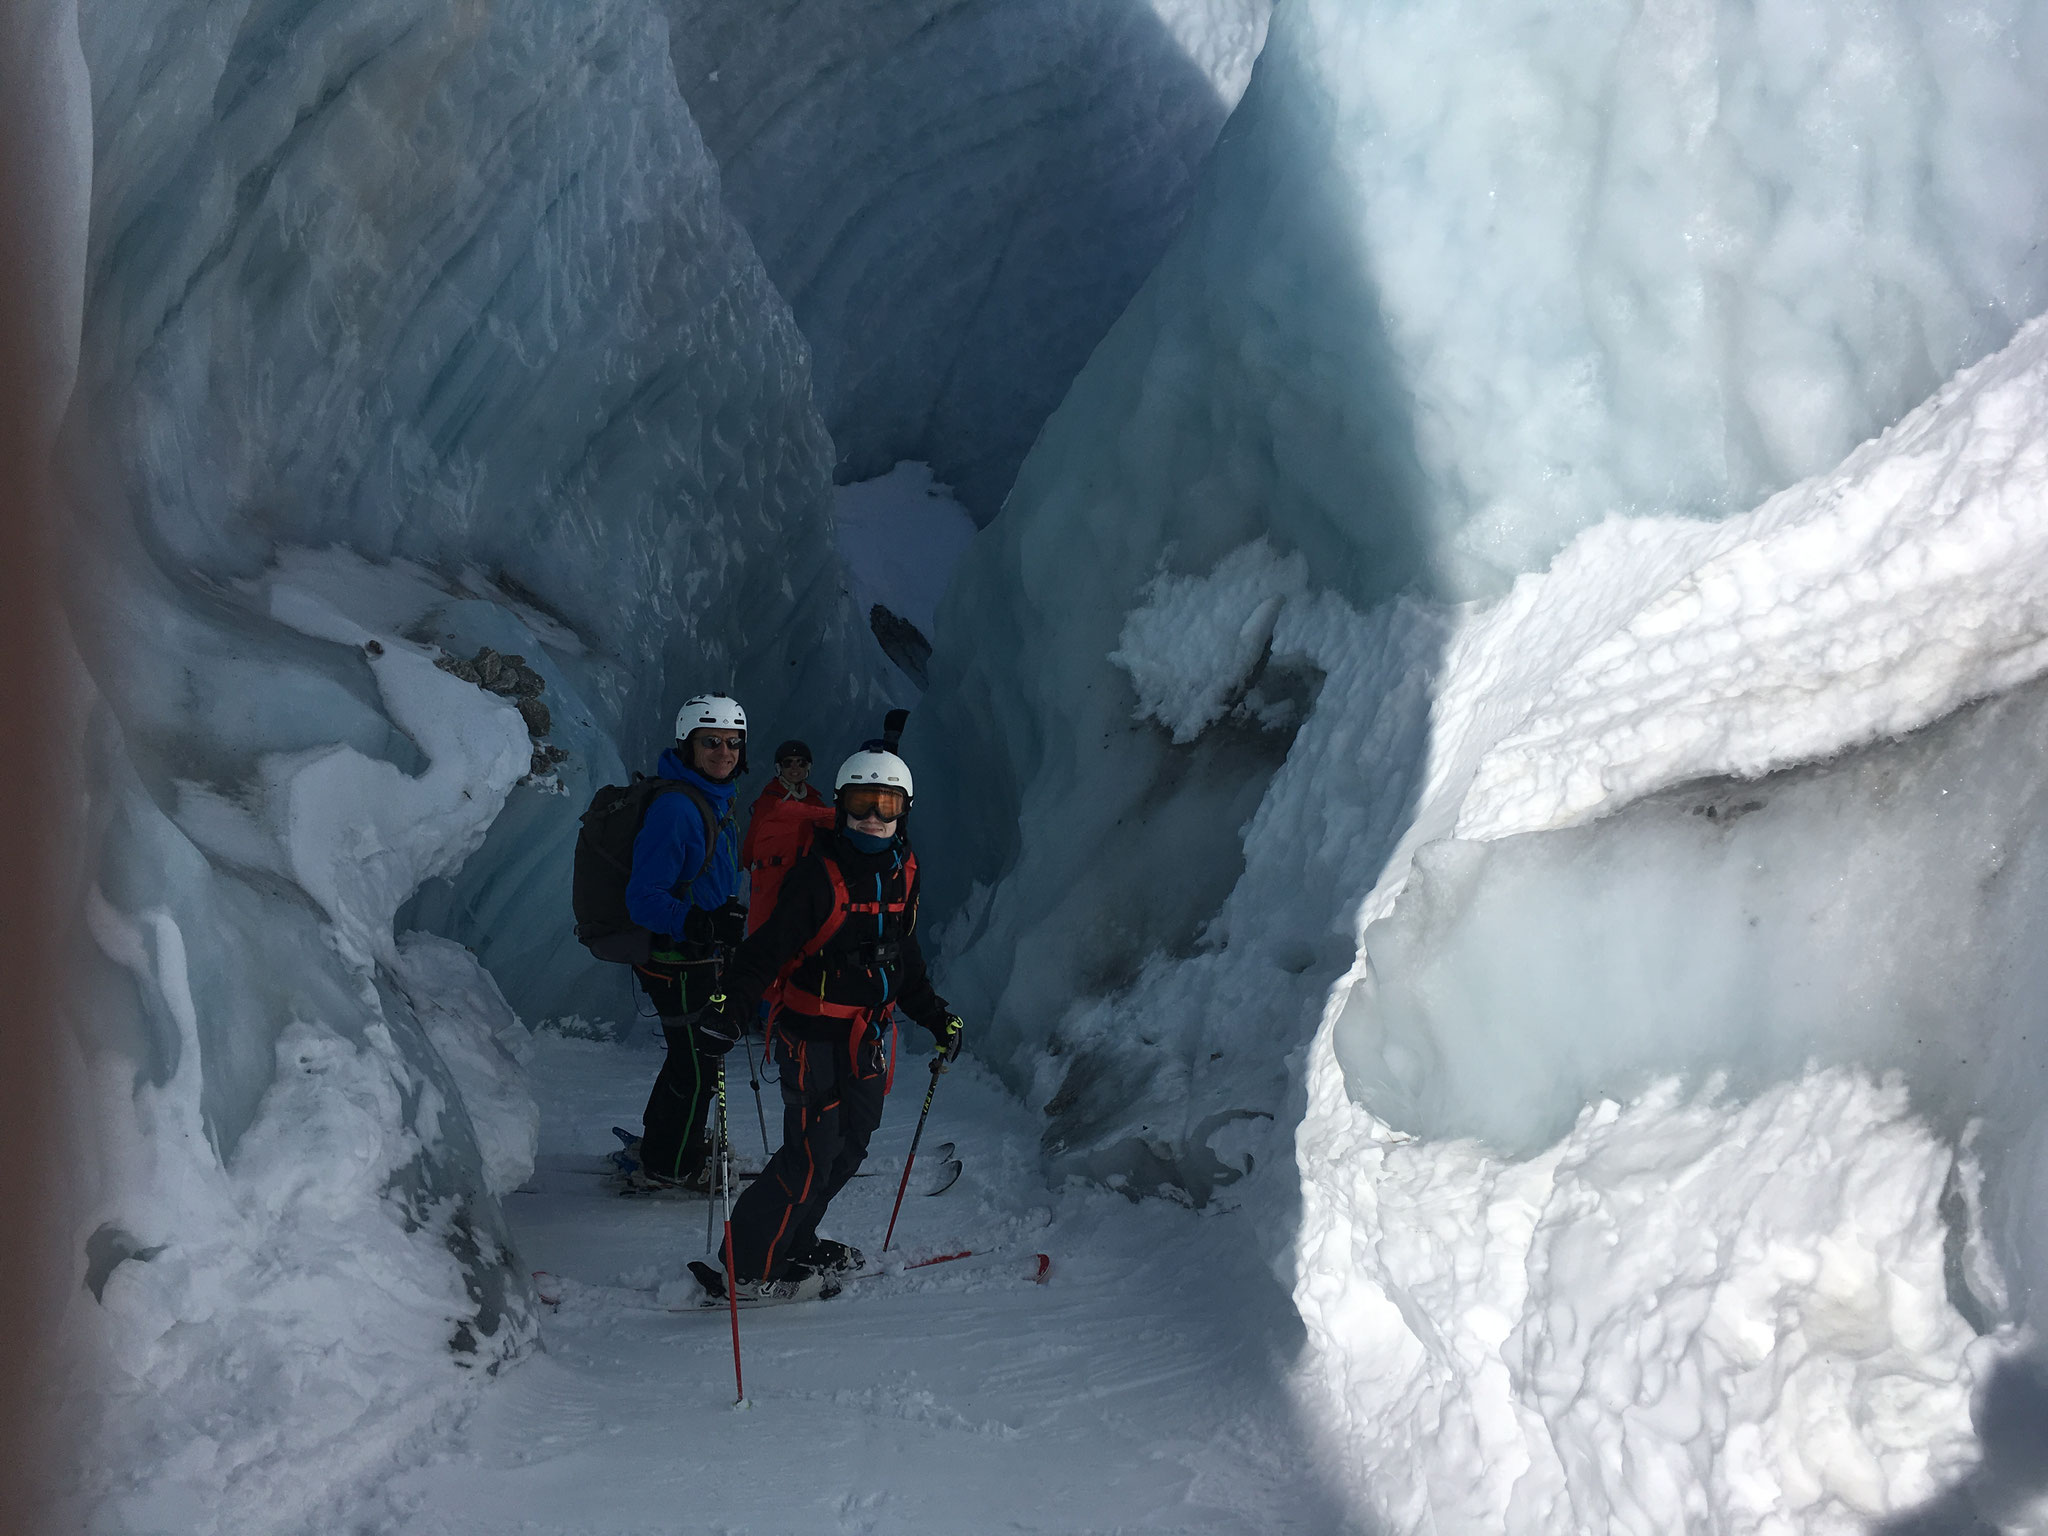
832 1090
674 1141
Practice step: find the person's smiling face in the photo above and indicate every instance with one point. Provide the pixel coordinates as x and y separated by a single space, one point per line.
716 753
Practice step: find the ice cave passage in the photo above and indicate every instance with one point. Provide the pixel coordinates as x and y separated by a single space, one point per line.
1471 584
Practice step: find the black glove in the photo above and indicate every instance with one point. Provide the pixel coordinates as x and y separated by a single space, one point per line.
719 1025
700 927
729 922
948 1033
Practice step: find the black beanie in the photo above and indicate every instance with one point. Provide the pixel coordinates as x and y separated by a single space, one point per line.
792 748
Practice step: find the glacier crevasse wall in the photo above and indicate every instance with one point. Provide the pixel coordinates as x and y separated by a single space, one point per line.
1464 296
957 200
1422 348
402 330
1739 1077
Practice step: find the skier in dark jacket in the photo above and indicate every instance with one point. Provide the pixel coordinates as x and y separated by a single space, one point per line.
843 941
695 919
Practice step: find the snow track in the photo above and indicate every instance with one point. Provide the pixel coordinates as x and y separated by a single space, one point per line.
1141 1390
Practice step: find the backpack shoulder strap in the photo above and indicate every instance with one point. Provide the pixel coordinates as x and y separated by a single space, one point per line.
834 920
712 821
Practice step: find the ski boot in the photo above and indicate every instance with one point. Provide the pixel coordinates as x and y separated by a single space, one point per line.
834 1260
798 1282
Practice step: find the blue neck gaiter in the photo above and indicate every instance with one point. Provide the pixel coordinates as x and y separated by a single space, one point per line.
868 844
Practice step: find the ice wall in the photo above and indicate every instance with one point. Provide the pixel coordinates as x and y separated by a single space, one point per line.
459 288
294 1126
456 286
407 330
1589 910
1454 288
957 200
1467 294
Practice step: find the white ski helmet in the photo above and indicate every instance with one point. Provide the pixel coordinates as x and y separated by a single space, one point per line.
872 764
709 709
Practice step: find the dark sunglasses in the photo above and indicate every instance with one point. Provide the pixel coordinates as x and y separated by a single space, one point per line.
784 762
862 800
733 743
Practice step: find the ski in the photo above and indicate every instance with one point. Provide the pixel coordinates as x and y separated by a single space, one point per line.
1037 1267
627 1190
624 1164
945 1172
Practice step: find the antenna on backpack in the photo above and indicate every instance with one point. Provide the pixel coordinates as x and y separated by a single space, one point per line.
892 727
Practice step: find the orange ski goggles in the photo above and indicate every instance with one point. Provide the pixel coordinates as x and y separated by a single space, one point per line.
861 801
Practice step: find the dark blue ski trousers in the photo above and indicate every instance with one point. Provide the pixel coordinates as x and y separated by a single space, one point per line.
831 1104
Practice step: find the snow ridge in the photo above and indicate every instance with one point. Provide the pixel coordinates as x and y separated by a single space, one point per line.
1690 1312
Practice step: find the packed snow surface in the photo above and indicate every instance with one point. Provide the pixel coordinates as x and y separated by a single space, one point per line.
1138 1389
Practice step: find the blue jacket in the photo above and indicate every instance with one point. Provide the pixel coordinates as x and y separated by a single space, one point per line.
670 847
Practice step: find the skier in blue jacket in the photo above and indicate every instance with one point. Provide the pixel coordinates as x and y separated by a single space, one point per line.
692 908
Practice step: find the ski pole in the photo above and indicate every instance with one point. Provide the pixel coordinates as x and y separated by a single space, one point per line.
938 1066
711 1206
710 1152
732 1286
754 1082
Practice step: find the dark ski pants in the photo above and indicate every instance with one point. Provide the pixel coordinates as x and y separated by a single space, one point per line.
674 1141
831 1105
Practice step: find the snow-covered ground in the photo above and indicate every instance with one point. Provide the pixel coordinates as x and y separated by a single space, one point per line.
1138 1389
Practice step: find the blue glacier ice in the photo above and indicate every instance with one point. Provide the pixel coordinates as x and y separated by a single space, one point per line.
1319 745
406 331
957 199
402 333
1452 291
1386 517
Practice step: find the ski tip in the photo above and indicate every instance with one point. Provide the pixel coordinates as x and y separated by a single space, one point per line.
1043 1271
710 1281
626 1137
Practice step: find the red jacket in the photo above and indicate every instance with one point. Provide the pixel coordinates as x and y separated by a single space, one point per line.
778 832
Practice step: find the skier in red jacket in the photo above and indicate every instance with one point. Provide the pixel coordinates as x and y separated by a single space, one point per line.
785 815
